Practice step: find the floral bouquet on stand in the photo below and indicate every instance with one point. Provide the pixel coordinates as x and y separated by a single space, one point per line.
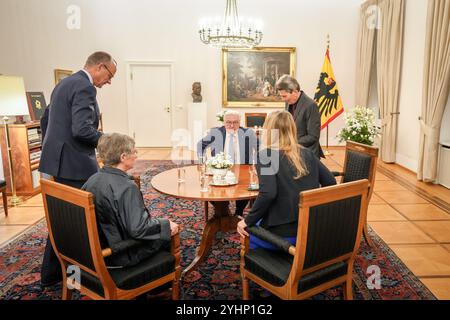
359 126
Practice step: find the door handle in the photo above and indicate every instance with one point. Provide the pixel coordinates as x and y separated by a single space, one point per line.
167 109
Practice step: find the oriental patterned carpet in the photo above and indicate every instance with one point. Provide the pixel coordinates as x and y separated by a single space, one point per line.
219 276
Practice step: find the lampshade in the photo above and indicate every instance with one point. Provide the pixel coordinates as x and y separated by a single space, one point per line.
13 100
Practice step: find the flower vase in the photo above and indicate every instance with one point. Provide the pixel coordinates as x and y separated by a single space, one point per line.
219 175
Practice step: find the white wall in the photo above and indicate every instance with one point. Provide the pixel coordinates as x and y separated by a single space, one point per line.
411 88
35 41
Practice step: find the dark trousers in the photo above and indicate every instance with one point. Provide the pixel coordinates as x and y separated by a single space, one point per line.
51 268
240 206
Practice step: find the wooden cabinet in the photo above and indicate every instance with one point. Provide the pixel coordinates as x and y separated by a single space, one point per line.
26 145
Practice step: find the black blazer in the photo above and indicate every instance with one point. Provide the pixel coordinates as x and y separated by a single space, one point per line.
248 143
307 120
277 201
71 136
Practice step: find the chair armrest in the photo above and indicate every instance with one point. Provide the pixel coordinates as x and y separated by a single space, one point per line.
175 243
121 247
137 180
272 238
337 173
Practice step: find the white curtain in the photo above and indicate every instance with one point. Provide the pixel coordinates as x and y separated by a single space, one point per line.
389 61
436 86
366 50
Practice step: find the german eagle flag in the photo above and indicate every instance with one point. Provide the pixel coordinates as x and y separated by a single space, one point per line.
327 94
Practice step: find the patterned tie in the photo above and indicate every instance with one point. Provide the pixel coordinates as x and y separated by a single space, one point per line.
231 148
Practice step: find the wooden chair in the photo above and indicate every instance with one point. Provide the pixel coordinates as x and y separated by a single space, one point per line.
255 119
329 233
5 199
360 163
74 236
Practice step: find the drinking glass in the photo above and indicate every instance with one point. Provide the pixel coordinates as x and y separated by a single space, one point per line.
203 183
181 174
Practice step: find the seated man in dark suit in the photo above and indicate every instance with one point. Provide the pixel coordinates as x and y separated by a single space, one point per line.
241 144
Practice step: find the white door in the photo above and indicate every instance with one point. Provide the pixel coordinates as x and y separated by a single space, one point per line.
149 104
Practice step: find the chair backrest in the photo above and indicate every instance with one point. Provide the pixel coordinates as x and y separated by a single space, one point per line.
330 225
360 163
255 119
72 225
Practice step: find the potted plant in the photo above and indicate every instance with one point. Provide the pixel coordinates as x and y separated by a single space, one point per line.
359 126
219 165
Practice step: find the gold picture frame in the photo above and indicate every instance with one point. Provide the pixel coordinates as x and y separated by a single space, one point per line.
249 76
61 74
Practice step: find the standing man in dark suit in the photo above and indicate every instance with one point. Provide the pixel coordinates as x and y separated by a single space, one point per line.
71 136
241 144
305 112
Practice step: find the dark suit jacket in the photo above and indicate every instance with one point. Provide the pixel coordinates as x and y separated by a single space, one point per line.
248 143
277 201
307 120
121 215
44 122
71 136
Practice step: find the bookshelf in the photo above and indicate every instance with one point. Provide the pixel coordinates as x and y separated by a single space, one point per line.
26 146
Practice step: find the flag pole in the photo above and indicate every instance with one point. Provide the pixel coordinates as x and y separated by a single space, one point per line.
326 152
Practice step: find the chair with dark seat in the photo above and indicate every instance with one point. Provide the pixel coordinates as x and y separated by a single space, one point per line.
255 119
72 227
5 199
329 233
360 163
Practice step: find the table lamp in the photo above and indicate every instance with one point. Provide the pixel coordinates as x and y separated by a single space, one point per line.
13 102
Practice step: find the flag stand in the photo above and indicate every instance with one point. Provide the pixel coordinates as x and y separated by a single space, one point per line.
326 152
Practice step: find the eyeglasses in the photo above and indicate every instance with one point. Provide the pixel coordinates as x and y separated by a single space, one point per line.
110 73
133 152
232 122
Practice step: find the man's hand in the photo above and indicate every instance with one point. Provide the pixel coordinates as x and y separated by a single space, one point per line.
173 228
241 228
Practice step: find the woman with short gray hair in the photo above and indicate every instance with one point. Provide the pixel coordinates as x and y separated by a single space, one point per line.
119 205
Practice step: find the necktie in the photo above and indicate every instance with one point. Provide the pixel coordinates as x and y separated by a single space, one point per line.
231 148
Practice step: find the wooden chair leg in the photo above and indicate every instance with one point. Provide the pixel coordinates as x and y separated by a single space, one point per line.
5 202
66 293
245 288
367 236
348 289
175 289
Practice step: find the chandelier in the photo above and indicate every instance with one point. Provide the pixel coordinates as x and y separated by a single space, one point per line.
231 32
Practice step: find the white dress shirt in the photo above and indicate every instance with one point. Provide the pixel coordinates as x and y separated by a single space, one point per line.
236 147
89 75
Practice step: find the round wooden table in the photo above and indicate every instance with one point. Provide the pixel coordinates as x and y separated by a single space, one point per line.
167 183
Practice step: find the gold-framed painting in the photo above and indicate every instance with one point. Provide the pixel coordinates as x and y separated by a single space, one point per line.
249 76
61 74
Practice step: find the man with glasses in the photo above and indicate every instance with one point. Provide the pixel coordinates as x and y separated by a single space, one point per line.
71 136
241 144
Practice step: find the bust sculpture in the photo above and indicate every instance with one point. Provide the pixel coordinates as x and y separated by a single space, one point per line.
196 92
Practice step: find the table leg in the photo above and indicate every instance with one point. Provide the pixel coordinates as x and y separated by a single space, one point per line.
222 221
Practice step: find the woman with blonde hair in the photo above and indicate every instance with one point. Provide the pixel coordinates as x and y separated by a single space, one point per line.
284 170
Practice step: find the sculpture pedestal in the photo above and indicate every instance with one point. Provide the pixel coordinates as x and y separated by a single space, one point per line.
197 122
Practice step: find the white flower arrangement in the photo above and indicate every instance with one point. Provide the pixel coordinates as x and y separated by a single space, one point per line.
359 126
220 161
220 115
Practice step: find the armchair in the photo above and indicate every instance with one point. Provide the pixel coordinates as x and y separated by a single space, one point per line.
360 163
73 232
329 233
